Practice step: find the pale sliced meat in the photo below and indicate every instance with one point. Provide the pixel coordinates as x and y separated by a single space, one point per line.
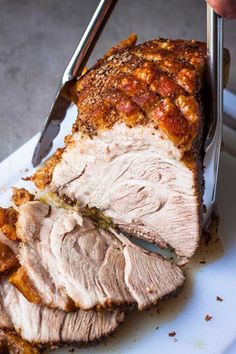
41 325
36 257
29 226
164 276
69 256
10 341
111 275
51 293
79 254
139 181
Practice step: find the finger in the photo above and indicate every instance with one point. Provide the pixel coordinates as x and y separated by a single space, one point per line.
225 8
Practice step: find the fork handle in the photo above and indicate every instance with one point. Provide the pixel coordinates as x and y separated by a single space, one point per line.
88 40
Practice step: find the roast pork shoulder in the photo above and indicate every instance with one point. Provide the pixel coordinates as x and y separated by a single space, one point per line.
135 152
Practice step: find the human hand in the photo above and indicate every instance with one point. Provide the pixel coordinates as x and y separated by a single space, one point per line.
225 8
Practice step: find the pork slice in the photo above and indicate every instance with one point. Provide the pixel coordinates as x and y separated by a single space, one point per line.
10 341
31 221
63 253
79 255
36 257
158 278
44 326
94 267
112 275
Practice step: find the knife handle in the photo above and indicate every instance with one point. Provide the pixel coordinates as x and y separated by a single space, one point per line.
88 40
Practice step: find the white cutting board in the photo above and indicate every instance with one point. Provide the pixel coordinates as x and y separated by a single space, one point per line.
184 315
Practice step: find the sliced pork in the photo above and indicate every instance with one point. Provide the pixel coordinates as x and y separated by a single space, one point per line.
47 327
68 261
136 148
10 341
23 321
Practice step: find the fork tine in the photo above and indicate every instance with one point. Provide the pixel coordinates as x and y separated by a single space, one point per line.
215 82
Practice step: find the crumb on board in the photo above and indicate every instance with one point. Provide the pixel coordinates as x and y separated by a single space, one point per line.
202 261
218 298
175 340
208 318
207 237
157 327
172 334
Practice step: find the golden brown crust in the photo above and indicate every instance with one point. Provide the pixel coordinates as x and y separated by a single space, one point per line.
22 282
11 342
21 196
8 219
8 259
125 43
43 176
155 82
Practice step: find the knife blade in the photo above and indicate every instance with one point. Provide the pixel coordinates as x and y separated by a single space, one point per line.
51 128
73 70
